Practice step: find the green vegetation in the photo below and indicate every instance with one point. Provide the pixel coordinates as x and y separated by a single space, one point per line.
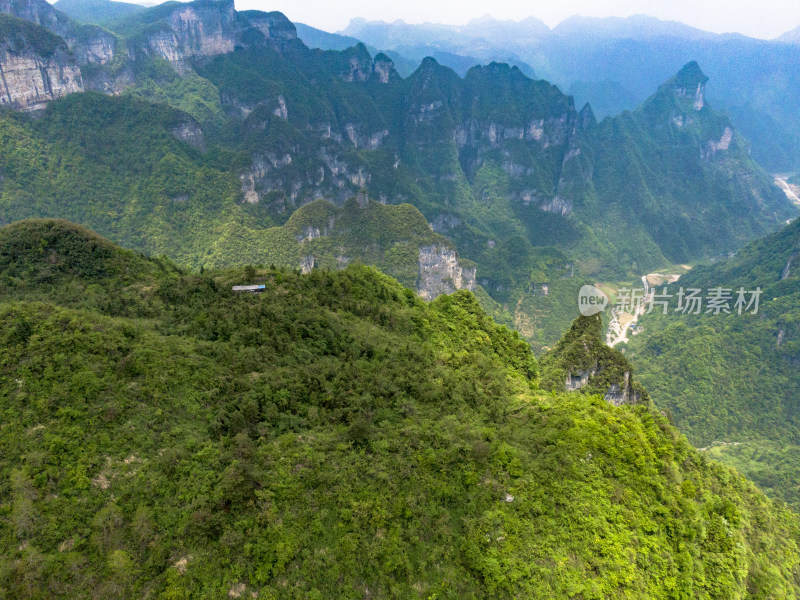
582 353
18 35
114 164
531 190
332 435
387 237
730 377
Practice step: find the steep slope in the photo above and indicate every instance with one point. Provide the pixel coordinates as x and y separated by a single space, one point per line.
90 45
581 361
734 378
333 435
676 165
398 239
35 65
134 170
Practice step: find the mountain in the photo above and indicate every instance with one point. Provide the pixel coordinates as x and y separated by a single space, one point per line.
98 12
791 37
732 381
530 191
152 47
316 38
165 437
418 42
635 27
750 78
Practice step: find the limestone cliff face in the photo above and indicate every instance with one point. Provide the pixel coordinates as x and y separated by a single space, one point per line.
30 81
35 66
190 132
41 13
203 28
208 28
42 53
192 30
274 178
88 43
273 25
441 272
99 49
618 393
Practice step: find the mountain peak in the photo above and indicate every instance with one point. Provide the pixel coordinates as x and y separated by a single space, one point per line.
688 84
582 361
690 75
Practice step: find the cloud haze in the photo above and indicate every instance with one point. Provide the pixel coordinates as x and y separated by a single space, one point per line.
765 19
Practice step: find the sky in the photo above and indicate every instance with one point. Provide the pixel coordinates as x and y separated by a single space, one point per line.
763 19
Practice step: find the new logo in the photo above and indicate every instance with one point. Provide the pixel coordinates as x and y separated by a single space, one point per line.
591 300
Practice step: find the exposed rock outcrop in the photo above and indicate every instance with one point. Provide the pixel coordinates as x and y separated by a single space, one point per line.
204 28
723 143
442 272
35 66
690 84
190 132
581 362
29 81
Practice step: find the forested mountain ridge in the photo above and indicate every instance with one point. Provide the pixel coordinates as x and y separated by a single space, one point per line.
533 191
615 63
163 437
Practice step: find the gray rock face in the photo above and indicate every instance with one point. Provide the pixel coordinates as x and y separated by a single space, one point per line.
274 179
787 270
274 25
192 30
714 146
29 81
98 50
190 133
41 13
617 394
383 68
621 394
441 272
578 379
307 263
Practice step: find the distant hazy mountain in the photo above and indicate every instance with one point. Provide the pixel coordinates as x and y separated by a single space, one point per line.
96 11
615 63
444 42
792 36
316 38
636 27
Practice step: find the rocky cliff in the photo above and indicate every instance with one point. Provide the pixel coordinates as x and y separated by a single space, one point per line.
177 33
442 272
35 66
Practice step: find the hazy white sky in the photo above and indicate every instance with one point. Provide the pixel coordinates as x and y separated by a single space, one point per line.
762 18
